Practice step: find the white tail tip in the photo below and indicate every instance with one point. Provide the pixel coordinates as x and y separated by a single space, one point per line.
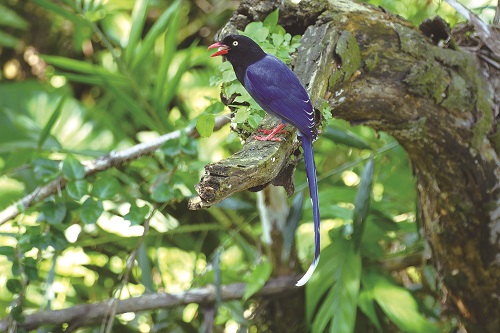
309 273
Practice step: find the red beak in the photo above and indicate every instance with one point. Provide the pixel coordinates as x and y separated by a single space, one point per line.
223 49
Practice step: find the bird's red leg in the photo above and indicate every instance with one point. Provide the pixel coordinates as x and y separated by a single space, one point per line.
271 133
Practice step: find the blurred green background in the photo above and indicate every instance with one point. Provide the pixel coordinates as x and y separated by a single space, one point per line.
80 78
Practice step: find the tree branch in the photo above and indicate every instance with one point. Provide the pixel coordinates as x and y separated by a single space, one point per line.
91 314
105 162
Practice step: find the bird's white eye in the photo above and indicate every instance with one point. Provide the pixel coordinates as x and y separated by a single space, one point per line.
235 43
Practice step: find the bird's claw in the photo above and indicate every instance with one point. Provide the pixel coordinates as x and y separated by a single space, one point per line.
267 138
269 131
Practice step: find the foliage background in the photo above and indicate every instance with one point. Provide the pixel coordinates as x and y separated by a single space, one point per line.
82 78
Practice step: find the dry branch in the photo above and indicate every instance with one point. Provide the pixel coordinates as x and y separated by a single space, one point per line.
92 314
105 162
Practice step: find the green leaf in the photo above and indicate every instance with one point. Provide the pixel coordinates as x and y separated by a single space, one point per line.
241 115
30 269
72 169
154 33
9 18
367 306
257 279
105 188
338 276
8 40
272 20
136 214
171 148
362 203
14 286
139 14
162 193
215 108
50 123
7 251
257 31
205 124
54 213
77 189
45 169
345 137
90 211
398 304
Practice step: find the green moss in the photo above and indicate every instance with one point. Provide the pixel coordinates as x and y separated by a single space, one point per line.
428 79
348 50
458 95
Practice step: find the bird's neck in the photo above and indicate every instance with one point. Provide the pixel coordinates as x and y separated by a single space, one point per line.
241 63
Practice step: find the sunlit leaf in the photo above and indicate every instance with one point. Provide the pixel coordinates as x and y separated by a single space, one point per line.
105 188
398 304
338 274
205 124
136 214
54 213
257 279
77 189
272 19
72 169
90 211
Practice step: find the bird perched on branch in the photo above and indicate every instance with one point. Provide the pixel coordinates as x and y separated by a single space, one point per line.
279 92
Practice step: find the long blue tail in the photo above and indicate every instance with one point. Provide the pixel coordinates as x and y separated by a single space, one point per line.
313 190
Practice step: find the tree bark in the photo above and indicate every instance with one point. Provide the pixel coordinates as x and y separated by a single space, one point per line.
438 100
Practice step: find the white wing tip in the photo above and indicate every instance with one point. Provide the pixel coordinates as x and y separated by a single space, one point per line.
309 273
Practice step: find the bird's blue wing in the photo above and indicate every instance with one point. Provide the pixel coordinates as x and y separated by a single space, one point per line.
279 92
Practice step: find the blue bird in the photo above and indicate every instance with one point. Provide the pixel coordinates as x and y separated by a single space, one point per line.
279 92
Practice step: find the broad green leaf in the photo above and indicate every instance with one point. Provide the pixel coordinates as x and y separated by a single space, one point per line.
362 203
257 279
162 193
366 304
136 214
54 213
105 188
77 189
398 304
241 115
72 169
90 211
50 123
271 20
45 169
205 124
345 137
338 274
14 286
257 31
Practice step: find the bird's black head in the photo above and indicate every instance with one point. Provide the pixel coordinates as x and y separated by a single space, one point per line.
238 49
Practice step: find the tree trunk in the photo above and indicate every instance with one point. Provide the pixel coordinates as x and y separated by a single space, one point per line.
439 102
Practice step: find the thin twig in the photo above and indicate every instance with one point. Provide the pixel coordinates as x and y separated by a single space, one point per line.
113 159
